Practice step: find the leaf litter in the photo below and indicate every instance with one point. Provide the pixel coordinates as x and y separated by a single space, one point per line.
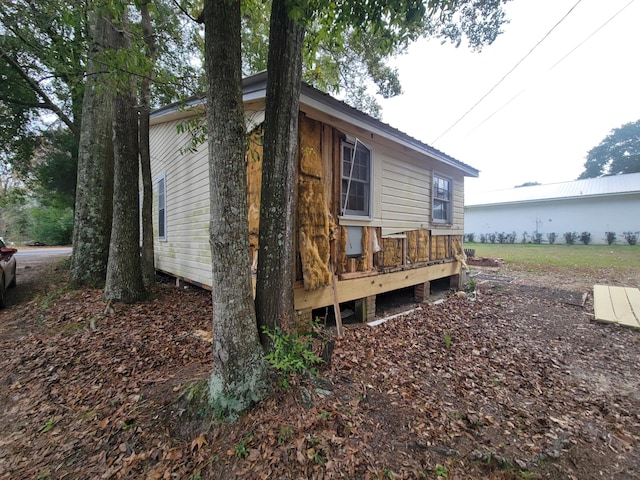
507 383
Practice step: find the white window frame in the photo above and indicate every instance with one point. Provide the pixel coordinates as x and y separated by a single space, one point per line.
354 143
161 206
436 197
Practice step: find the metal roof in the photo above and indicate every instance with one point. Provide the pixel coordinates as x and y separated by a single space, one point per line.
254 87
588 187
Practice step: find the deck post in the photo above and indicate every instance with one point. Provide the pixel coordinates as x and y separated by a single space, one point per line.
365 309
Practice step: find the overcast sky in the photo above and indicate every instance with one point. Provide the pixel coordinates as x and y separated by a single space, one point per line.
539 123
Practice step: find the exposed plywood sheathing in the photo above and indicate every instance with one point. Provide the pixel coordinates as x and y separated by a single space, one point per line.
342 250
310 147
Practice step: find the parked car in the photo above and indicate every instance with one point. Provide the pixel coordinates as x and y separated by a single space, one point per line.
7 269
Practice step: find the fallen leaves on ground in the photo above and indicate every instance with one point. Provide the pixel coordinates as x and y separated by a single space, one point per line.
506 383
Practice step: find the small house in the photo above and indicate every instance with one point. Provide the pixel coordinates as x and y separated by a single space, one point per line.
375 207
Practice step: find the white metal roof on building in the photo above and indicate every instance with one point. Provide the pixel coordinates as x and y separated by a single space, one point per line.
589 187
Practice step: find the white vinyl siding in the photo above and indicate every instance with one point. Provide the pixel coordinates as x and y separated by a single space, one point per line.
186 252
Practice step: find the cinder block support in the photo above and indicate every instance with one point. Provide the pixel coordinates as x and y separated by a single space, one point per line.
302 320
455 281
422 291
180 283
365 309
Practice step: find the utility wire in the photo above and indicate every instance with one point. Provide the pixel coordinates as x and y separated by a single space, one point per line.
507 74
550 68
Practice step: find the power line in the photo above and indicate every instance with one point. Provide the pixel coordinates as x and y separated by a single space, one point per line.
507 74
550 68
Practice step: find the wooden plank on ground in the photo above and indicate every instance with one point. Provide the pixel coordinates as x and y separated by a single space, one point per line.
602 306
633 295
621 307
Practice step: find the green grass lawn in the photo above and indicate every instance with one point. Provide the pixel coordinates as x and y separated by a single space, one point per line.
580 256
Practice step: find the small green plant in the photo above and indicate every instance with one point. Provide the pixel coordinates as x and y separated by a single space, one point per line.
551 237
195 476
48 425
610 237
471 286
585 237
324 415
241 448
447 340
570 237
441 471
291 353
285 434
631 237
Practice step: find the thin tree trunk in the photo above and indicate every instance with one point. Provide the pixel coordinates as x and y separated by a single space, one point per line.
275 275
148 268
94 191
239 372
124 273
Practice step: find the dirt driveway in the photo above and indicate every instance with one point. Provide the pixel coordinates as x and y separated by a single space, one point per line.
514 381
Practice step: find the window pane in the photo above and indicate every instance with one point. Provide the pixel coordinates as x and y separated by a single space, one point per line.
355 179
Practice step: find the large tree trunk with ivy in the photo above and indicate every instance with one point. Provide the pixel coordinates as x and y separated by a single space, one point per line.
239 372
94 191
148 267
275 275
124 274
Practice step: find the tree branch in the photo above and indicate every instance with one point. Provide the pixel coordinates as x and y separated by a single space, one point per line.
47 102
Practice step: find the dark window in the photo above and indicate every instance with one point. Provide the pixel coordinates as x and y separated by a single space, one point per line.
162 208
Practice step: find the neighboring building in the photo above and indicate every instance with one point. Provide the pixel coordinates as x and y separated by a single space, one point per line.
594 205
386 208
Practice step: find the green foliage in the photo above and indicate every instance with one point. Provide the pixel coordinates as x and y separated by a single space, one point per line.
441 471
631 237
52 226
570 237
48 425
241 448
611 237
447 339
585 237
291 353
617 153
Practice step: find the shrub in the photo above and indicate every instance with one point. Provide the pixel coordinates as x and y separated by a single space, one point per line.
570 237
585 237
610 237
471 237
511 237
551 237
502 238
53 226
537 238
631 237
491 237
483 238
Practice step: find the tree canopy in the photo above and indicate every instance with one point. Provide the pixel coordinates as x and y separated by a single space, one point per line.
617 153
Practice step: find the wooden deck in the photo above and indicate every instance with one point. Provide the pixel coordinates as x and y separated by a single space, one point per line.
617 305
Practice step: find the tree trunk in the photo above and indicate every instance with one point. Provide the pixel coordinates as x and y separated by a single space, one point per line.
124 274
94 191
239 373
276 265
148 267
